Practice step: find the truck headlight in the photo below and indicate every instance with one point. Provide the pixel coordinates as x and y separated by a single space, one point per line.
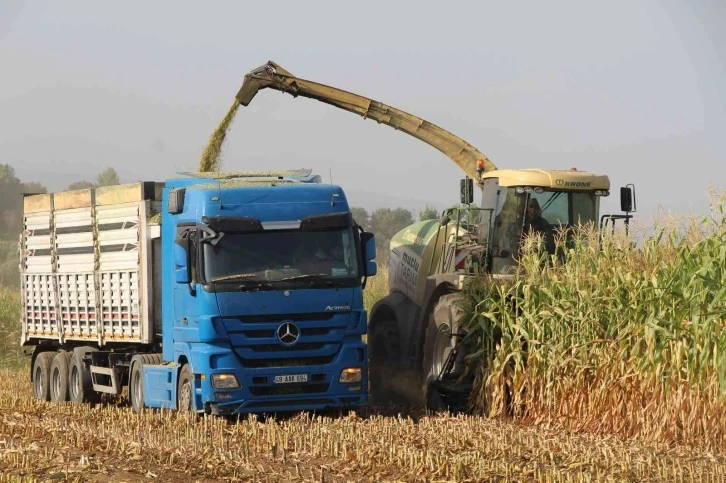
225 381
350 374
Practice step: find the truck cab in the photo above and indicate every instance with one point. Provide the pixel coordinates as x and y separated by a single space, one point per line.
264 284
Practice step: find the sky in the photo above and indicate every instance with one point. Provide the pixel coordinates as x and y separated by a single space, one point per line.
634 90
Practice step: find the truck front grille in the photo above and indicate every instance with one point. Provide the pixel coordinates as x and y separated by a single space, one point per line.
287 362
254 338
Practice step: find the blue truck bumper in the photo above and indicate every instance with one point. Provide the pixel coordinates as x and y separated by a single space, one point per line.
290 383
260 392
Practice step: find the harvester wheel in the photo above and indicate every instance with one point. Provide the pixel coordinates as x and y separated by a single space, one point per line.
438 344
41 375
59 377
383 365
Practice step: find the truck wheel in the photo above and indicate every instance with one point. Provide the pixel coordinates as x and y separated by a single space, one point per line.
136 385
383 364
438 343
41 375
185 390
80 383
136 378
59 377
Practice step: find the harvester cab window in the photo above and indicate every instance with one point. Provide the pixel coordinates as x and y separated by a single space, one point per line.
508 217
566 209
558 212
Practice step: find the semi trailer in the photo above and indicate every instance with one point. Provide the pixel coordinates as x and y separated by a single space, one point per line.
218 293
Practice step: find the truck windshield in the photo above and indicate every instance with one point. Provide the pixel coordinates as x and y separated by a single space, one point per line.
294 257
520 213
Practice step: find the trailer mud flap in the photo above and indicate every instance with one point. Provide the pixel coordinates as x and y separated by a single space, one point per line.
160 386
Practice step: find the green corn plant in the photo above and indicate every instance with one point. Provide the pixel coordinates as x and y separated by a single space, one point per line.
606 336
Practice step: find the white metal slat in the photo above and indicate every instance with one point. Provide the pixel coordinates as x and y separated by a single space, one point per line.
33 260
119 244
68 244
39 306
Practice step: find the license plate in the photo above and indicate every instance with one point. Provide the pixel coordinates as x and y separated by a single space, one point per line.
291 378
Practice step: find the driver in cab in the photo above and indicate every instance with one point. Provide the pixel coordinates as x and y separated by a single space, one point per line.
535 223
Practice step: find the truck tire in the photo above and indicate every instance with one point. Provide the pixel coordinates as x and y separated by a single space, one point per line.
438 343
136 378
80 382
185 390
59 377
41 375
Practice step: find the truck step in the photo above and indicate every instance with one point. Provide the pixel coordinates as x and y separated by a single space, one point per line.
113 376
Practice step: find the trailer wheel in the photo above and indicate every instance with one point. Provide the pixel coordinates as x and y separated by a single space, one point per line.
41 375
59 377
185 390
80 382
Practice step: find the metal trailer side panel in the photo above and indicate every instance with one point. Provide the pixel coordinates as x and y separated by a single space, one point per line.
121 247
74 249
36 268
86 270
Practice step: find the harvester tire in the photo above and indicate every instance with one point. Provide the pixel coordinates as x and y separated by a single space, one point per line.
383 354
41 375
438 343
59 377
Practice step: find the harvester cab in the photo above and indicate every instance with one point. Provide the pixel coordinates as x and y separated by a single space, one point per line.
516 203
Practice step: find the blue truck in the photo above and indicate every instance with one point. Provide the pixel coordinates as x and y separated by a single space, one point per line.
217 293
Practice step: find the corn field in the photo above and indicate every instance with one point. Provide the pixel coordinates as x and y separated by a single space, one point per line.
610 339
10 353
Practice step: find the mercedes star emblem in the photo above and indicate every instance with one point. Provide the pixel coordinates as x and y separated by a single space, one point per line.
288 333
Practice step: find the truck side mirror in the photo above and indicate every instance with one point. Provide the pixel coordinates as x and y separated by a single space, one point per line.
368 242
182 272
175 204
466 191
626 199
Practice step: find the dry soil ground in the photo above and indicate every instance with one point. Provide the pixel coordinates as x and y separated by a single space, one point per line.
44 442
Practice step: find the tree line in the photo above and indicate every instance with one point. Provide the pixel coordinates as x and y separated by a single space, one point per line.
384 223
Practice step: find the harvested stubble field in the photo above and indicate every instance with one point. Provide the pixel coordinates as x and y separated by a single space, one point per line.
43 442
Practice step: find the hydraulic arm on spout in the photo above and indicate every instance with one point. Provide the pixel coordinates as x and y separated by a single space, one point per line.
271 75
